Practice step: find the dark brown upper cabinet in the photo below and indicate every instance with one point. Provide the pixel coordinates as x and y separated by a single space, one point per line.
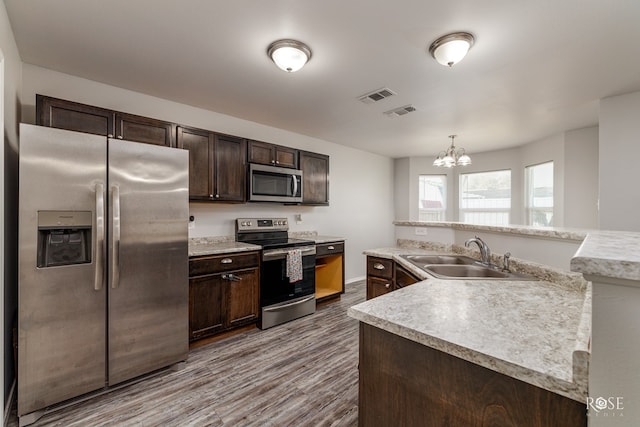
271 154
315 178
217 167
62 114
143 129
58 113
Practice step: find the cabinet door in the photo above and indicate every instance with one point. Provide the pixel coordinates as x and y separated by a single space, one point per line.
271 154
206 305
200 146
315 178
261 152
243 297
377 286
403 277
230 168
58 113
144 129
286 157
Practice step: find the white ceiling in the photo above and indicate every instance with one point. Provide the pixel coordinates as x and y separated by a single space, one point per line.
538 67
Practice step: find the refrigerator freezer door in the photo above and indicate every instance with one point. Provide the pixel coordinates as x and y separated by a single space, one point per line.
62 304
148 246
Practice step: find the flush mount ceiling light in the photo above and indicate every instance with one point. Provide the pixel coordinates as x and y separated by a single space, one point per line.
289 55
451 48
452 157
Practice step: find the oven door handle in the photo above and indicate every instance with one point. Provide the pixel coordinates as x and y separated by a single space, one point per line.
274 254
280 307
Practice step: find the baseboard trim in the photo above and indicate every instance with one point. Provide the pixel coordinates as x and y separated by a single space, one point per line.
355 279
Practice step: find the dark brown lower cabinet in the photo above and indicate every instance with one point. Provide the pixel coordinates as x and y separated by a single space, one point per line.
385 275
223 293
404 383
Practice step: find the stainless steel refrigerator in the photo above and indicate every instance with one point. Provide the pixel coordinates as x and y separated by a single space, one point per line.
103 263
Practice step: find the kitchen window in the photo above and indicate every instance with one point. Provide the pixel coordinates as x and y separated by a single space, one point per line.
485 197
432 199
539 194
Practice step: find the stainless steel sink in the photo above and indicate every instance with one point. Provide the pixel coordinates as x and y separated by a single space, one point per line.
465 271
460 267
421 260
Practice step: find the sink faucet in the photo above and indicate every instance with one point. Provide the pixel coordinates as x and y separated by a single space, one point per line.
485 253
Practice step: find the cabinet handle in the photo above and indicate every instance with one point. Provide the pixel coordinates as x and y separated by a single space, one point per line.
226 261
110 135
330 248
378 266
277 162
217 196
273 161
388 285
211 196
119 136
231 277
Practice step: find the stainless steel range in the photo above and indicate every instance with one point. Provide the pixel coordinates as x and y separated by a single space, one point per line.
287 271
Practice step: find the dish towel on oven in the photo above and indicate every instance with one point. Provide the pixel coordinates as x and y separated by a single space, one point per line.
294 265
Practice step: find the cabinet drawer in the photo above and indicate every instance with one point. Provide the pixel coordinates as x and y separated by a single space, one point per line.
329 249
380 267
218 263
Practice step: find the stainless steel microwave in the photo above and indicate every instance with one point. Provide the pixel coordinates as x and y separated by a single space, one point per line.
274 184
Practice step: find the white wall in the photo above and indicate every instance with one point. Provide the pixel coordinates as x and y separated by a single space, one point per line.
10 76
581 178
619 151
573 177
361 183
401 197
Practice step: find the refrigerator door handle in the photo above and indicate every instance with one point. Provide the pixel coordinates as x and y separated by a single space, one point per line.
115 248
99 275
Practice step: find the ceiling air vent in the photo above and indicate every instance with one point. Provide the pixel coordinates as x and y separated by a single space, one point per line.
397 112
376 95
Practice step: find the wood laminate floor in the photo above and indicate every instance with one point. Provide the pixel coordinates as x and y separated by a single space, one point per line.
302 373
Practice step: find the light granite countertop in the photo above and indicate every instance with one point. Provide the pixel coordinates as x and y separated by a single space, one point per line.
199 246
614 254
326 239
535 331
218 245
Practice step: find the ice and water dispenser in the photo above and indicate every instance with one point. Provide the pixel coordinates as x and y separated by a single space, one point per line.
64 238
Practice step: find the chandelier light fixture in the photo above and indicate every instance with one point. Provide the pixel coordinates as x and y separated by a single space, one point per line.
451 48
289 55
452 156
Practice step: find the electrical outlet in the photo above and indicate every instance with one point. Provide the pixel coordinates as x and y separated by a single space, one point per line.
298 218
421 231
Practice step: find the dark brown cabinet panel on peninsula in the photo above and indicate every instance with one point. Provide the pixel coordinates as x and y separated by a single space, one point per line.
315 178
62 114
223 293
405 383
217 167
270 154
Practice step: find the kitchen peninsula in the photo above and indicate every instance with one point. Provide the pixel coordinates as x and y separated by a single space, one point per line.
467 352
